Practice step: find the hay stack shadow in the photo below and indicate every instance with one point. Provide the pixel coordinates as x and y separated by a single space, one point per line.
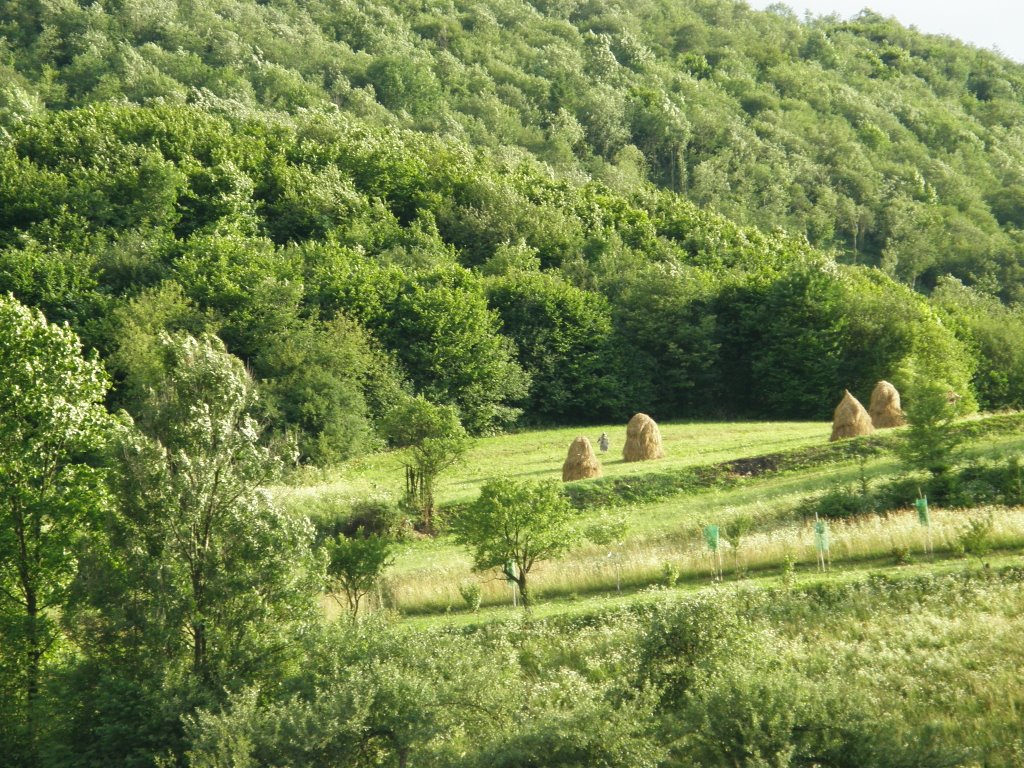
850 419
643 439
884 408
581 463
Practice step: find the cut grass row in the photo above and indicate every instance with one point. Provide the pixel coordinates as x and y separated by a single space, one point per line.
538 455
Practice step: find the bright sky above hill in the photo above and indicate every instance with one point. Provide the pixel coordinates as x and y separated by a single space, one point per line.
984 23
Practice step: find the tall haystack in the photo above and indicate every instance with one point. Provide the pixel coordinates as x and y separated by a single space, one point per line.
850 419
643 439
581 462
885 407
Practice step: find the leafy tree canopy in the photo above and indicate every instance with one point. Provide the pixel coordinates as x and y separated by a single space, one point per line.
513 525
280 166
53 428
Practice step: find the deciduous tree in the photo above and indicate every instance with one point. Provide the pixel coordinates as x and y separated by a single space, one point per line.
434 441
356 564
224 566
516 523
52 425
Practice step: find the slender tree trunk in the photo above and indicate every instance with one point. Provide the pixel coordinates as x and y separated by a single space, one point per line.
199 649
523 593
427 500
410 485
28 532
34 651
199 665
33 673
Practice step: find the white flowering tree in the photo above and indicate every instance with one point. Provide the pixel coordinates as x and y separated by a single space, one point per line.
52 426
219 563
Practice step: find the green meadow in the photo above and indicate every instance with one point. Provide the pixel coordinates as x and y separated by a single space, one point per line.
902 648
538 455
661 539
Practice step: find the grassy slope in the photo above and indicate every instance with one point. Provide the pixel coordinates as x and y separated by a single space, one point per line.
931 647
427 573
538 455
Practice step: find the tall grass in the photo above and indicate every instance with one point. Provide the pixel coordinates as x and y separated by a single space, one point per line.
663 539
637 564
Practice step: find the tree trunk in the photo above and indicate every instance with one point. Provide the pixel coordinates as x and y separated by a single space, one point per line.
34 655
523 593
28 531
410 485
199 649
199 664
427 500
33 673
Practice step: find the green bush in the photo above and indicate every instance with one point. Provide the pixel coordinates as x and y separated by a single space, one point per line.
976 536
980 482
334 515
839 503
377 517
995 482
471 594
683 641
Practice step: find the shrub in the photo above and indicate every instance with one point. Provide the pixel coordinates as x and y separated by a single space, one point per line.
901 554
839 503
744 717
378 517
670 574
931 439
997 482
336 515
972 485
683 640
976 536
471 594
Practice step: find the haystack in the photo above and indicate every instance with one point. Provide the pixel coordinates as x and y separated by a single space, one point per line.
581 462
850 419
643 439
885 406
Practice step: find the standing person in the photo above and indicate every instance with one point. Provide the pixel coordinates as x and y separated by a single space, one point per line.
603 442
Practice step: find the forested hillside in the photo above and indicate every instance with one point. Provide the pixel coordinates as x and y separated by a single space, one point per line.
240 238
552 213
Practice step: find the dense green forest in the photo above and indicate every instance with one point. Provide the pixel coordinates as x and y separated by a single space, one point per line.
552 214
238 237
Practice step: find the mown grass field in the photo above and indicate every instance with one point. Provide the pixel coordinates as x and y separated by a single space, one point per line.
538 455
663 541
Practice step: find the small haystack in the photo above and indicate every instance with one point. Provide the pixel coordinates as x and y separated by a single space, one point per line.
885 406
850 419
581 462
643 439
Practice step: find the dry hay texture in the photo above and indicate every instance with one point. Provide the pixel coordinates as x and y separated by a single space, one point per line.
643 439
850 419
884 407
581 462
